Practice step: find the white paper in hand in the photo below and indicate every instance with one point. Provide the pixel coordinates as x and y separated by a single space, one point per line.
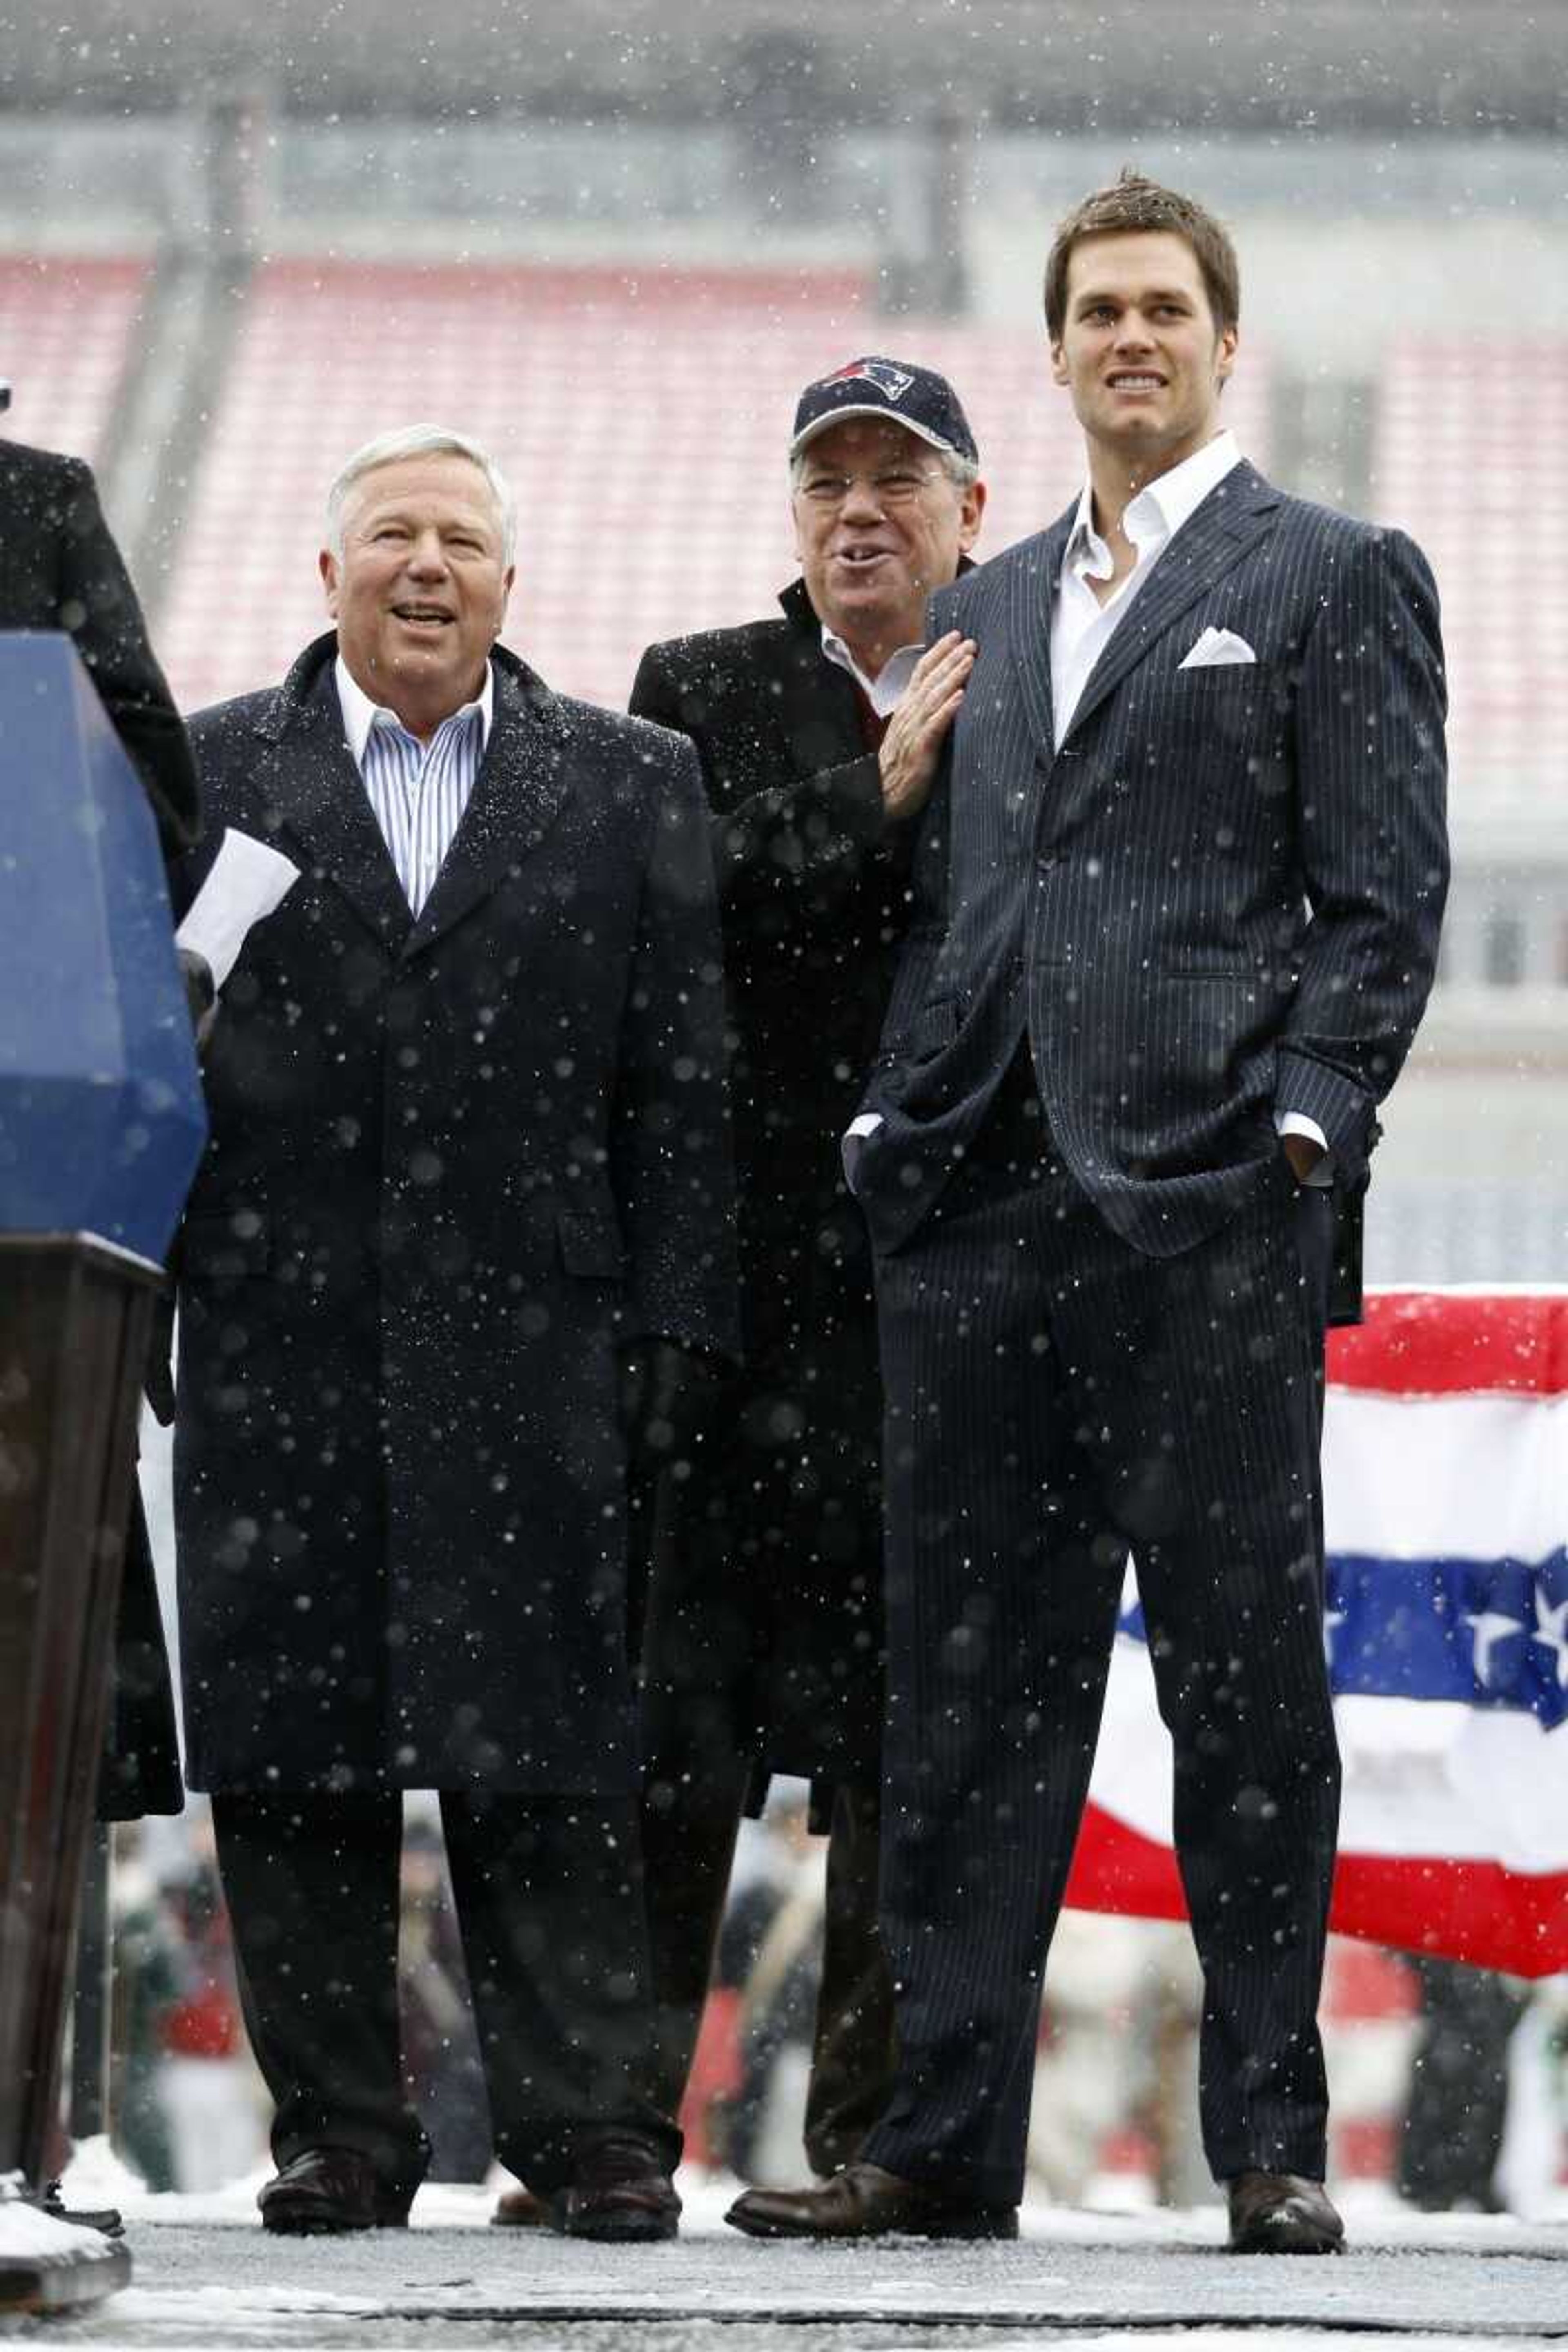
247 881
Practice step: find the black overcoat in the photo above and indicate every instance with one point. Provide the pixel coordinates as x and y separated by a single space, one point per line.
767 1581
60 569
454 1164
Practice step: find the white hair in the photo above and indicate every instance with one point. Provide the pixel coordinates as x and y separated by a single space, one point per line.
421 441
961 472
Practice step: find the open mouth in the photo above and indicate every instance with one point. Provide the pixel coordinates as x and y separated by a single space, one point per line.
1136 382
426 619
860 558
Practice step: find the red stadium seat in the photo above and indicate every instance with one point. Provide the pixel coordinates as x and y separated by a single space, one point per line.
65 328
1471 457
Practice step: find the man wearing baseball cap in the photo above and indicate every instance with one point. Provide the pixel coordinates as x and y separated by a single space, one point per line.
764 1643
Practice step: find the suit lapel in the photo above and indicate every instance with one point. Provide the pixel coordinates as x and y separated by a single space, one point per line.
1036 570
1237 512
517 792
321 797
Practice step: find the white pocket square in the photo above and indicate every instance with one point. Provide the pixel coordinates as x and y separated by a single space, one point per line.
1216 647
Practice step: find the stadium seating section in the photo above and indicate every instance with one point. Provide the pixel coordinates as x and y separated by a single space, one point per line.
1488 507
67 331
643 421
642 417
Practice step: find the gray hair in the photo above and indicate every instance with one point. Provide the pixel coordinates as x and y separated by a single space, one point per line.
961 472
421 441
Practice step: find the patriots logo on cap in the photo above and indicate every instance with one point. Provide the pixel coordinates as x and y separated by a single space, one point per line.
892 380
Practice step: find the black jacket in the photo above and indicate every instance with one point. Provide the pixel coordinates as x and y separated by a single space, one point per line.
454 1163
60 569
814 898
766 1605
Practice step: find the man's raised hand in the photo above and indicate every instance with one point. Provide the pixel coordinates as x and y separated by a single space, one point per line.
912 748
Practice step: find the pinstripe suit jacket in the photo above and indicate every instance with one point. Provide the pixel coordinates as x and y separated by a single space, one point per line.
1218 898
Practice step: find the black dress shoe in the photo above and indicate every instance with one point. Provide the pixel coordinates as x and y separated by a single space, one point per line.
863 2202
107 2220
327 2190
1282 2213
619 2192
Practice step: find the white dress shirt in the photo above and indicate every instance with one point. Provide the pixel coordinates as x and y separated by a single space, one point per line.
1081 628
886 691
418 791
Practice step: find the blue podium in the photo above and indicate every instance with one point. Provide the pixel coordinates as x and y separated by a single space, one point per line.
101 1130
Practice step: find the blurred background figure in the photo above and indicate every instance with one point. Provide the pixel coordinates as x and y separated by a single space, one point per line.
148 1982
211 2093
772 1951
441 2063
1114 2114
1456 2110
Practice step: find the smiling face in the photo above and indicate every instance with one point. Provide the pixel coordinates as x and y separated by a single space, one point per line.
878 523
1140 352
420 589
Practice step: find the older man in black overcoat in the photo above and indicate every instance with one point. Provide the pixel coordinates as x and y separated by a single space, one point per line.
469 1182
763 1650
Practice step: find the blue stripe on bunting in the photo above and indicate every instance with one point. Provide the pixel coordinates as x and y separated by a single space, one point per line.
1490 1633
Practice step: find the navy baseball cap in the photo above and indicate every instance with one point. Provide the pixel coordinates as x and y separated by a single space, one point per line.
917 398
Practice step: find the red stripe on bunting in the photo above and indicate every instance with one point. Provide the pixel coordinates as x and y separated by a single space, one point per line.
1423 1343
1474 1911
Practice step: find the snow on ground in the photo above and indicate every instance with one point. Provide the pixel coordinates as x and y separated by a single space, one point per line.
205 2275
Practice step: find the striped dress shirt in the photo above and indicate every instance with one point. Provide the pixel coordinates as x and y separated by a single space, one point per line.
418 791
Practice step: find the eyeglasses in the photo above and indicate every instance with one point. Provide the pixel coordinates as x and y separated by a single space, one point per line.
898 487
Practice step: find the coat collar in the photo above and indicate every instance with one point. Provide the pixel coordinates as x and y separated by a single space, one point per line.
813 690
812 697
1236 512
322 801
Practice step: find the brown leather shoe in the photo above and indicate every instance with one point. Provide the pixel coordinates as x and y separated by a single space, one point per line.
863 2202
328 2190
520 2209
1282 2213
620 2193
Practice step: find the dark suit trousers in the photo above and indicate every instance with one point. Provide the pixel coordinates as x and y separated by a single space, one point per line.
1053 1398
549 1901
690 1825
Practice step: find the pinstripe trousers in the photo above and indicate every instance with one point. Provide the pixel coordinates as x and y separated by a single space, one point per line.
1055 1398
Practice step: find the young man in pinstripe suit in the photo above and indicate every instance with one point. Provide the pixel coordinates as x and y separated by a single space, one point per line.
1177 911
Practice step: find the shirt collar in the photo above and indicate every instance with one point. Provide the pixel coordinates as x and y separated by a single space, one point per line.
1160 508
359 713
883 691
